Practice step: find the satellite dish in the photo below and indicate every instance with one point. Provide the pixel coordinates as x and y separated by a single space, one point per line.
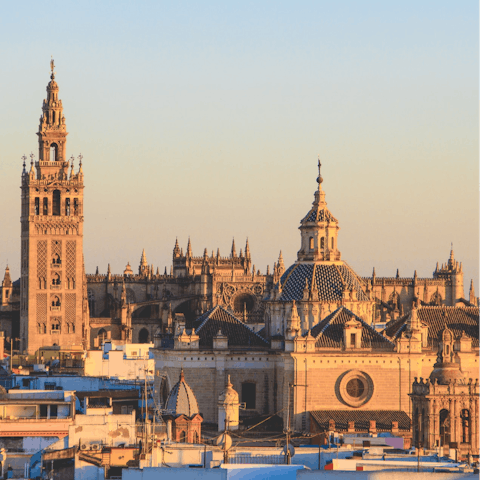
224 440
290 449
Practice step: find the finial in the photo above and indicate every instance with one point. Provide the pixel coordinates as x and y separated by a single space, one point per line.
24 158
52 67
319 178
80 158
32 156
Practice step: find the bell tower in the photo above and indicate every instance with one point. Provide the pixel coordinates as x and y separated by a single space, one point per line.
53 309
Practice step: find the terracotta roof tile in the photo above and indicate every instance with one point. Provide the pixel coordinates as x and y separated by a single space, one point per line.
362 418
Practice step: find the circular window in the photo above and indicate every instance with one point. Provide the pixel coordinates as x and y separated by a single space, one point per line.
354 388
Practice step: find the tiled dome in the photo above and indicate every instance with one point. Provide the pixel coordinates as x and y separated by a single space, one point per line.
330 281
181 399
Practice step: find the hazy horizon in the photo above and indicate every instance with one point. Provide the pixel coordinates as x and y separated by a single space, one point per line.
205 121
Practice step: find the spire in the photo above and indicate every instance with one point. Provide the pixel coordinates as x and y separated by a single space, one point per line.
398 274
176 249
247 249
143 258
472 298
189 249
7 281
108 269
233 252
52 130
280 264
143 267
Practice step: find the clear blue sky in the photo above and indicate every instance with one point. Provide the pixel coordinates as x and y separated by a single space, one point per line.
206 118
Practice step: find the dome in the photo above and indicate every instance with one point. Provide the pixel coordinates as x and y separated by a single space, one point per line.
181 399
445 373
329 279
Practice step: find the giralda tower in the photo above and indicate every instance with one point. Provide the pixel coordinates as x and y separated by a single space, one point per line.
53 306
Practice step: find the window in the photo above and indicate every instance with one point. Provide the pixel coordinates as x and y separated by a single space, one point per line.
75 206
249 394
322 242
183 437
56 259
67 207
37 206
43 408
45 206
143 336
55 328
53 147
311 243
56 203
56 301
353 338
53 411
56 279
49 386
333 243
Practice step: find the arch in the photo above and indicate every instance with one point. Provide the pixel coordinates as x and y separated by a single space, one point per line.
164 391
91 302
56 301
53 148
56 203
242 302
56 260
310 243
45 207
37 206
182 438
143 335
322 243
67 207
465 434
56 279
444 427
195 437
101 335
75 206
188 309
436 298
130 296
333 243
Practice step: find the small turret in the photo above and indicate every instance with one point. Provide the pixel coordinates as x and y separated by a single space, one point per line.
189 249
233 253
143 267
6 287
472 298
247 250
281 264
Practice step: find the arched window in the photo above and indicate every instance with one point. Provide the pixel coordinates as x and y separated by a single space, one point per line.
91 303
56 202
183 437
143 336
56 301
465 416
322 243
75 206
37 206
444 427
56 279
56 259
333 243
102 335
45 206
67 207
311 243
195 437
53 148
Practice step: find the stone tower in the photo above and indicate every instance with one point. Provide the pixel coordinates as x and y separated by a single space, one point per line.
52 307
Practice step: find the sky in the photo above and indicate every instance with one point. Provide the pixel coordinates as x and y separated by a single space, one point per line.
205 119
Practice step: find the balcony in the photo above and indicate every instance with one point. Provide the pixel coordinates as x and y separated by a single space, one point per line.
55 287
55 309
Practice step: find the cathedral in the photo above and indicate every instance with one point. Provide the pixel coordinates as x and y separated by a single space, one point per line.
315 343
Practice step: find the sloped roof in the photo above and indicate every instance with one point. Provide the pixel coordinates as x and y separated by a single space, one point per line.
329 332
238 334
362 418
319 214
459 320
330 281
